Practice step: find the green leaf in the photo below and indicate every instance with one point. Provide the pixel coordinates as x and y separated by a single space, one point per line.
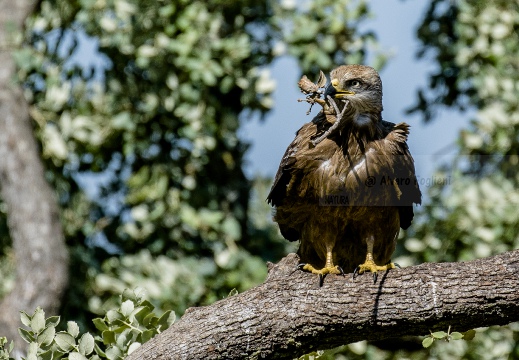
149 319
127 307
439 334
469 335
146 335
123 338
100 324
47 355
38 320
33 350
147 304
86 344
134 346
47 335
140 313
26 319
171 318
99 351
76 356
140 294
113 353
456 335
128 295
52 320
73 328
113 315
108 337
26 335
65 341
120 326
427 342
166 320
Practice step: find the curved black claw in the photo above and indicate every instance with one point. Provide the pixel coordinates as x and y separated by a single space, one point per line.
301 266
398 266
341 270
356 272
375 275
321 280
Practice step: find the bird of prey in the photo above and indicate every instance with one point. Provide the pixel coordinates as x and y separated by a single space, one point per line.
346 184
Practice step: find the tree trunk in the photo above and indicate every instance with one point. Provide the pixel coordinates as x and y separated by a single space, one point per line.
290 315
41 257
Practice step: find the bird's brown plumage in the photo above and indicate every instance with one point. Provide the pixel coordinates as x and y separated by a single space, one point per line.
356 186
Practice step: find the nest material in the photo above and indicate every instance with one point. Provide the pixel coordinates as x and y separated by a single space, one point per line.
313 92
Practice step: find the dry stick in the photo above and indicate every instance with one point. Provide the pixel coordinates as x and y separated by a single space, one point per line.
311 99
332 128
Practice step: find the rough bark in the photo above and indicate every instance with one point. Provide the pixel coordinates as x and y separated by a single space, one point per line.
290 314
41 257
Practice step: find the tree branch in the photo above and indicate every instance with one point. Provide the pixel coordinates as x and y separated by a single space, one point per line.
40 254
290 315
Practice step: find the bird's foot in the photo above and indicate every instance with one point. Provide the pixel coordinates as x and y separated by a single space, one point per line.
324 271
321 272
369 265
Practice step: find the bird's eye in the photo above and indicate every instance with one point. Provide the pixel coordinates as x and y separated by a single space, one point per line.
355 83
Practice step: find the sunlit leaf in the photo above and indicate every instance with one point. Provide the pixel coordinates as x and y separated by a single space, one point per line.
65 341
127 307
456 335
38 320
86 344
76 356
427 342
26 335
100 324
73 328
47 335
439 334
26 319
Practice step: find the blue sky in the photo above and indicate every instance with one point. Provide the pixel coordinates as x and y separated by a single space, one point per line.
395 24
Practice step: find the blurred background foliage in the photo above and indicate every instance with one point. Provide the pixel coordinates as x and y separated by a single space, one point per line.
137 105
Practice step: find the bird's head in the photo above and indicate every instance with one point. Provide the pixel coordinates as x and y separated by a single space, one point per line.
360 84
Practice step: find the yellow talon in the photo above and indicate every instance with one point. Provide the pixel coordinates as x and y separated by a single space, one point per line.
369 265
328 268
325 270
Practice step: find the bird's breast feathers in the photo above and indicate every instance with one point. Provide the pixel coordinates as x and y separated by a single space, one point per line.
352 167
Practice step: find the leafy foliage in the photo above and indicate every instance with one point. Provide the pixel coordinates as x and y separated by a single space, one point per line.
447 336
177 284
122 330
5 350
471 215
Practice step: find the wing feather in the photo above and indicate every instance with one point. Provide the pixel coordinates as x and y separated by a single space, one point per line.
286 176
405 175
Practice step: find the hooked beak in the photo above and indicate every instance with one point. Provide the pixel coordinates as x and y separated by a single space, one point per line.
335 91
